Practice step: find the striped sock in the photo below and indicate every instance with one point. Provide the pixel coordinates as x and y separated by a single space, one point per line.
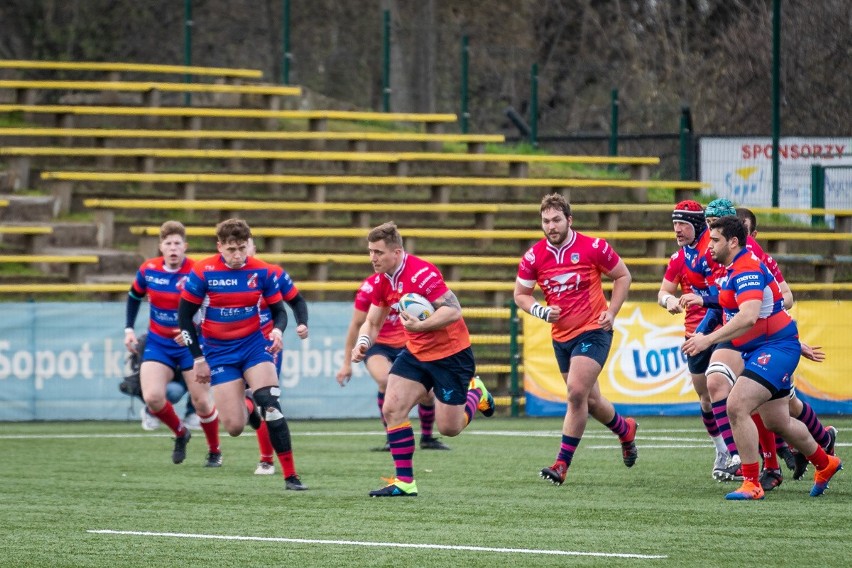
720 411
809 418
427 419
618 426
473 396
567 449
710 423
780 444
169 417
401 438
210 425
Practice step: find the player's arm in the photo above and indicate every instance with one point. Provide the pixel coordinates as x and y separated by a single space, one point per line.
186 311
525 300
369 330
742 321
345 371
300 311
786 293
279 324
666 297
134 302
447 310
621 279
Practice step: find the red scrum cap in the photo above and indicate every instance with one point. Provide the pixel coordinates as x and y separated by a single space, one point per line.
691 212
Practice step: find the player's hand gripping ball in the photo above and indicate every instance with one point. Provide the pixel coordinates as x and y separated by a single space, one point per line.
416 306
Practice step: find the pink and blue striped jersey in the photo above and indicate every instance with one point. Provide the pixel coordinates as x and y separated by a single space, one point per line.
232 310
163 288
688 268
747 278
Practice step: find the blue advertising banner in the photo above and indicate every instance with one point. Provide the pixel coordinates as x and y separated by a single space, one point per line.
64 361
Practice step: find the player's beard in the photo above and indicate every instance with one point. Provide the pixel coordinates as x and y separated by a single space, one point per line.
557 238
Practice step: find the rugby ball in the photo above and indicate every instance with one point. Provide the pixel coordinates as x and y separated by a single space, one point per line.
416 306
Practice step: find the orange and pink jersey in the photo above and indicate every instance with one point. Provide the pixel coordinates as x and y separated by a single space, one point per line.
570 277
420 277
163 287
392 333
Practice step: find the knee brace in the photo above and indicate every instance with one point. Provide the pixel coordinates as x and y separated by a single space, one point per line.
279 431
722 369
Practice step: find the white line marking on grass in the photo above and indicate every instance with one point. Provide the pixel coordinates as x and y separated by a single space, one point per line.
384 544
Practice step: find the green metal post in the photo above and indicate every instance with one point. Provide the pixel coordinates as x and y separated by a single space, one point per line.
285 42
613 126
187 46
534 106
776 100
817 192
514 356
684 145
386 90
465 114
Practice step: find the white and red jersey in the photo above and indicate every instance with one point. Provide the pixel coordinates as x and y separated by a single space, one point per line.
392 333
570 277
420 277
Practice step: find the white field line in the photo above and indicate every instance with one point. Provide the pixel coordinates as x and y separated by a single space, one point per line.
701 441
382 544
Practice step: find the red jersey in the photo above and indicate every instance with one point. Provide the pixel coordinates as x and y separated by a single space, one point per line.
416 275
570 277
234 294
688 269
392 332
163 287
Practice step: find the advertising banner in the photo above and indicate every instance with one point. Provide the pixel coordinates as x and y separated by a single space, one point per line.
646 373
64 361
740 169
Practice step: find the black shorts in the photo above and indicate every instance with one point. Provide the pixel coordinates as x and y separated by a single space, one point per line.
382 350
593 344
449 376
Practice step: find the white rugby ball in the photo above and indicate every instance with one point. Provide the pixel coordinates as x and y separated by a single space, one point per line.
416 306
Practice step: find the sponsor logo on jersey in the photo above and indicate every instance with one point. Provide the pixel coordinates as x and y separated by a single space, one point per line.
595 243
252 281
157 280
367 287
223 281
418 273
530 256
763 358
563 282
181 283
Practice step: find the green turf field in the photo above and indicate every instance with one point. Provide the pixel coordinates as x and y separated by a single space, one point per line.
481 504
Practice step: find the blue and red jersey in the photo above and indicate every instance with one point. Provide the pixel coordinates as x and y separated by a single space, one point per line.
747 278
688 268
234 295
163 287
288 292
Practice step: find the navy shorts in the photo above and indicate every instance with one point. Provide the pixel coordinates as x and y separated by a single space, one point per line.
386 351
594 344
449 376
772 366
166 351
698 363
229 360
